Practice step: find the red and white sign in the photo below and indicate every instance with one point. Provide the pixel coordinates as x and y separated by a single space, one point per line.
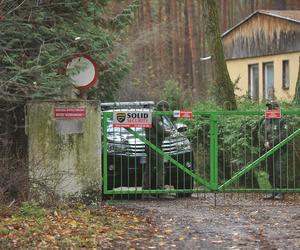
273 114
82 71
132 119
183 113
70 112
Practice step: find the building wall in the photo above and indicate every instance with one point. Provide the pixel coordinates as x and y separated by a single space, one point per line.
64 154
238 68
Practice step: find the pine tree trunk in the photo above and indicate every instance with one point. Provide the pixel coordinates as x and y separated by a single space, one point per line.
224 90
297 90
174 28
201 71
160 30
193 48
180 15
256 5
279 4
225 16
141 50
187 51
148 28
168 49
242 10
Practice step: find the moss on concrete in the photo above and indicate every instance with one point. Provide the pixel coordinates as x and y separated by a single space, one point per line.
72 160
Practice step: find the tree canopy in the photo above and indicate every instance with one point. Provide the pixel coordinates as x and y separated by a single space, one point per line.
38 37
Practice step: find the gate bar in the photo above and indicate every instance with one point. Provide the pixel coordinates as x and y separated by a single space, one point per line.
169 158
259 160
213 152
262 190
105 184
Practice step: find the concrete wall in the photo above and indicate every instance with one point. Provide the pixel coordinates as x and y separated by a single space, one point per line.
238 68
64 159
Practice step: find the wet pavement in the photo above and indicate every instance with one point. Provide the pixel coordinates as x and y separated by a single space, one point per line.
221 221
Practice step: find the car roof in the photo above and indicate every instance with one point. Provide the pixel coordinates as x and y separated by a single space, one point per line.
127 106
127 109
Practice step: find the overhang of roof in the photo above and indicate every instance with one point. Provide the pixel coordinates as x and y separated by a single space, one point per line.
288 15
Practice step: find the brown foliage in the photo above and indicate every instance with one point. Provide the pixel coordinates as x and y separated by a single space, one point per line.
75 226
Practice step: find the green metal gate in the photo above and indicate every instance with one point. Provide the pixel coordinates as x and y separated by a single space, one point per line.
216 162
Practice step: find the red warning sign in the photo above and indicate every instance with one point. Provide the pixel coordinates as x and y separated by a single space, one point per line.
273 114
183 113
70 112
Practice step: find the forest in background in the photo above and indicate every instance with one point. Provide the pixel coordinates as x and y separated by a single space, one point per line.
167 45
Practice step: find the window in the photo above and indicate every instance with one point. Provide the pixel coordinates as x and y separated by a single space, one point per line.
253 82
269 80
285 74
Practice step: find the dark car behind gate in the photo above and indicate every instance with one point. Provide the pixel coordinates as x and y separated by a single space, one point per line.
126 154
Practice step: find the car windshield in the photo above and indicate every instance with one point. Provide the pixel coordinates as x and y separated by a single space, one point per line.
167 123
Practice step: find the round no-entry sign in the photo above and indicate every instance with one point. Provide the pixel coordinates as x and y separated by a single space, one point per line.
83 72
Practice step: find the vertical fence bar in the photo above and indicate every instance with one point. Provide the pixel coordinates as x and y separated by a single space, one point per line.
214 151
105 152
206 171
294 152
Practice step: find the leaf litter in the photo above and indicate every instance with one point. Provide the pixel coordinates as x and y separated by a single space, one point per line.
76 226
189 223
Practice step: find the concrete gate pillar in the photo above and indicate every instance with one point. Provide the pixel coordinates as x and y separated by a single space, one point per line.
64 148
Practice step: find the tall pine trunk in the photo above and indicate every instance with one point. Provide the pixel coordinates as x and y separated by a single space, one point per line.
193 48
188 75
297 90
174 28
223 87
160 38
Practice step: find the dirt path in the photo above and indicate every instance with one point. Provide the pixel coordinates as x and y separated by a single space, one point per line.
236 222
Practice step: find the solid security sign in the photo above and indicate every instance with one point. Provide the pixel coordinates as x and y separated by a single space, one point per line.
132 119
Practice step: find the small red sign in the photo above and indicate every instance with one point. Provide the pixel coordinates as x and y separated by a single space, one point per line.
183 113
273 114
70 112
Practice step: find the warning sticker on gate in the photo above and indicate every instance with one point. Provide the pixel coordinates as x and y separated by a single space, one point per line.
273 114
182 113
132 119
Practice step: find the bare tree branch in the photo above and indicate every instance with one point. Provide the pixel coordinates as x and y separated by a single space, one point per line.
16 7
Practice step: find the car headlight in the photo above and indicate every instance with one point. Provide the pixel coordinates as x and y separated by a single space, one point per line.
183 146
188 164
